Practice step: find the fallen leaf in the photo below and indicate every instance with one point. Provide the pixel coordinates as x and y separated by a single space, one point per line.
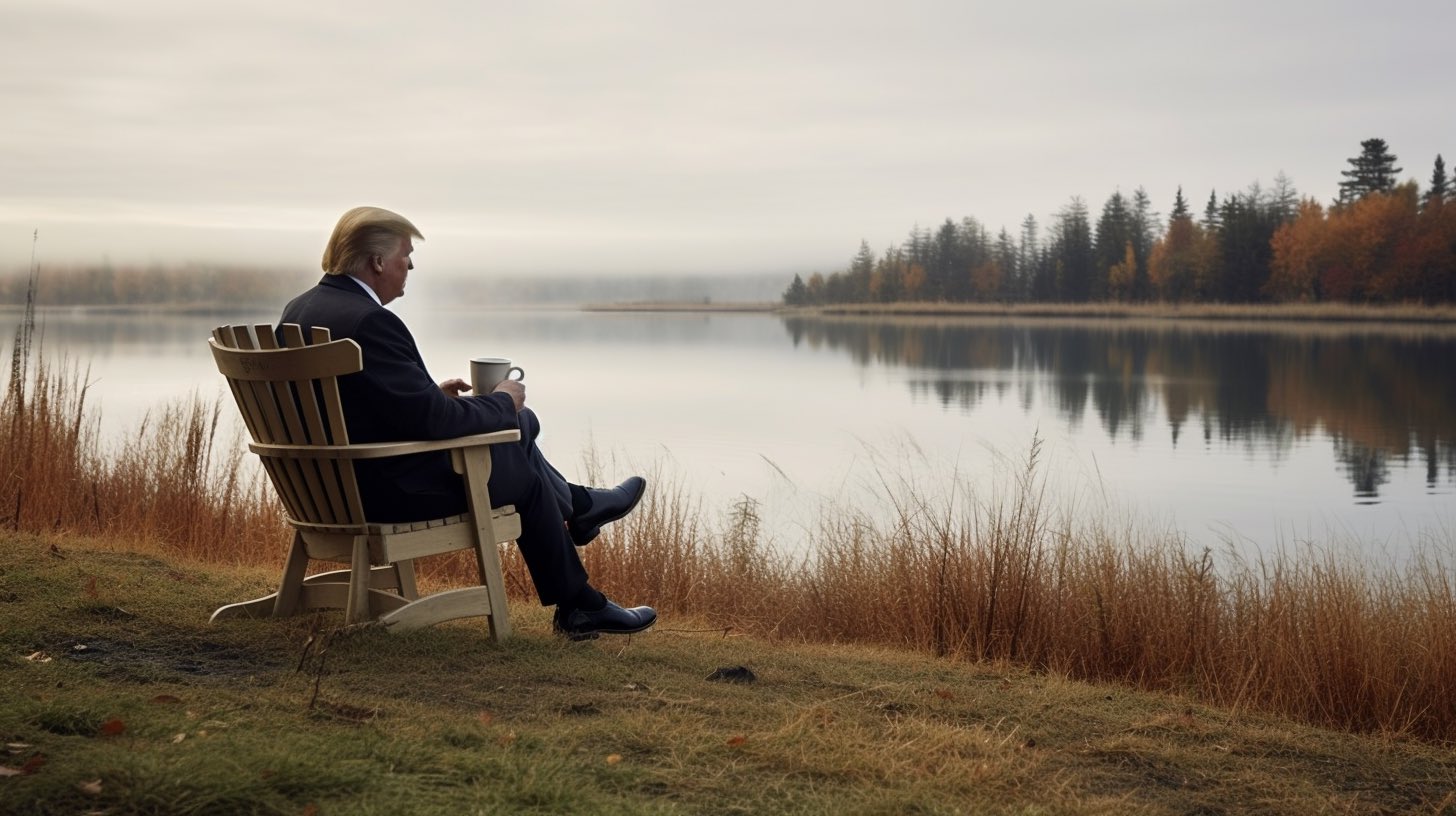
507 739
485 717
38 657
4 772
178 738
112 727
168 699
613 759
309 809
91 587
202 732
944 694
92 788
33 764
736 740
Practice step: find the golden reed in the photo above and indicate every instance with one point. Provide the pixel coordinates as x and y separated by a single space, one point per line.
167 484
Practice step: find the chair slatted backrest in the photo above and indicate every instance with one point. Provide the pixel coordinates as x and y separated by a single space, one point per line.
289 395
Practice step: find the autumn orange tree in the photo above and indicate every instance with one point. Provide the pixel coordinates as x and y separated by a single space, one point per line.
1181 262
1383 247
1301 248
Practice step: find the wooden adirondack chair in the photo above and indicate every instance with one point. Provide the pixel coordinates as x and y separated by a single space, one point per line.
289 398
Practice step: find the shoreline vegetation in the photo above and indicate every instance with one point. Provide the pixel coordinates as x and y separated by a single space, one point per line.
1310 633
1270 312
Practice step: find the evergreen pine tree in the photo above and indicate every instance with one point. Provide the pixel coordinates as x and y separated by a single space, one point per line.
1071 256
1284 200
1144 235
1114 233
1373 171
797 294
1180 206
1440 189
1034 282
1011 271
1210 212
857 278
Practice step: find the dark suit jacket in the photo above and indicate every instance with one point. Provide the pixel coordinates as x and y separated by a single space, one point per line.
395 399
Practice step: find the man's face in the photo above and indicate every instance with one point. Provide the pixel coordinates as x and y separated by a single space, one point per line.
389 281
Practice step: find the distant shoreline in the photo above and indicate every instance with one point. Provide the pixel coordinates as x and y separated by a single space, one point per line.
1444 314
144 308
1311 312
683 306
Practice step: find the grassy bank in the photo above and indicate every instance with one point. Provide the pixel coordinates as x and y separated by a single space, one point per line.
121 699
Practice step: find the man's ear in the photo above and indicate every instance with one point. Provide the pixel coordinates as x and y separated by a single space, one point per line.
378 264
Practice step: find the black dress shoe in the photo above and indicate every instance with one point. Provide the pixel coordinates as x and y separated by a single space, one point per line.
607 505
610 619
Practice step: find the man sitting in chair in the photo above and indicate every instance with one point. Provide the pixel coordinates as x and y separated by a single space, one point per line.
394 399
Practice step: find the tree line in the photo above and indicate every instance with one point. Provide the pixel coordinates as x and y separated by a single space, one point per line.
148 285
1380 241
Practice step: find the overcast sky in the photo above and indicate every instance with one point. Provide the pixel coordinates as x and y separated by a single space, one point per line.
676 136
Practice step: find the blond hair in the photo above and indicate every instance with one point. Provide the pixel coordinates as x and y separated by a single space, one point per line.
363 233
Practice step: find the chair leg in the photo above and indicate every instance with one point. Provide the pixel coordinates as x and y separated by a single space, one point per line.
487 561
286 603
281 604
357 610
474 464
405 572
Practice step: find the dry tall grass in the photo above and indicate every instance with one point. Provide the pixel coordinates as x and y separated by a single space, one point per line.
169 484
1309 634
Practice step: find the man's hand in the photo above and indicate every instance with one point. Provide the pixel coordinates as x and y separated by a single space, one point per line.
455 387
516 389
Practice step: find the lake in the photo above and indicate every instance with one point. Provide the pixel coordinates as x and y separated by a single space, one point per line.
1242 434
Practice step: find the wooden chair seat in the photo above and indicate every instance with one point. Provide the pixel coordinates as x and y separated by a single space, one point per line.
289 399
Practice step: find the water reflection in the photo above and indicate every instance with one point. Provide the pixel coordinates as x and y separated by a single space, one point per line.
1379 395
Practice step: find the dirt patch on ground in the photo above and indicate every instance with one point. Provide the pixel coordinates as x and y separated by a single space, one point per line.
199 658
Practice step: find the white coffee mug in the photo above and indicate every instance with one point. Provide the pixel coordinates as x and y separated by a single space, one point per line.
487 372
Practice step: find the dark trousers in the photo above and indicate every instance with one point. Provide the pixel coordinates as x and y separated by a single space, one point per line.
520 475
530 430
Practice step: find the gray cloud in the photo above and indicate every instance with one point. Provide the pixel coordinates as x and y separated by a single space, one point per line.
674 136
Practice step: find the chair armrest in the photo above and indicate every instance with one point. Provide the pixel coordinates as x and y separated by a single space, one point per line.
383 450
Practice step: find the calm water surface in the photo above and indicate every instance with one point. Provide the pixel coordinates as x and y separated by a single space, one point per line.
1229 433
